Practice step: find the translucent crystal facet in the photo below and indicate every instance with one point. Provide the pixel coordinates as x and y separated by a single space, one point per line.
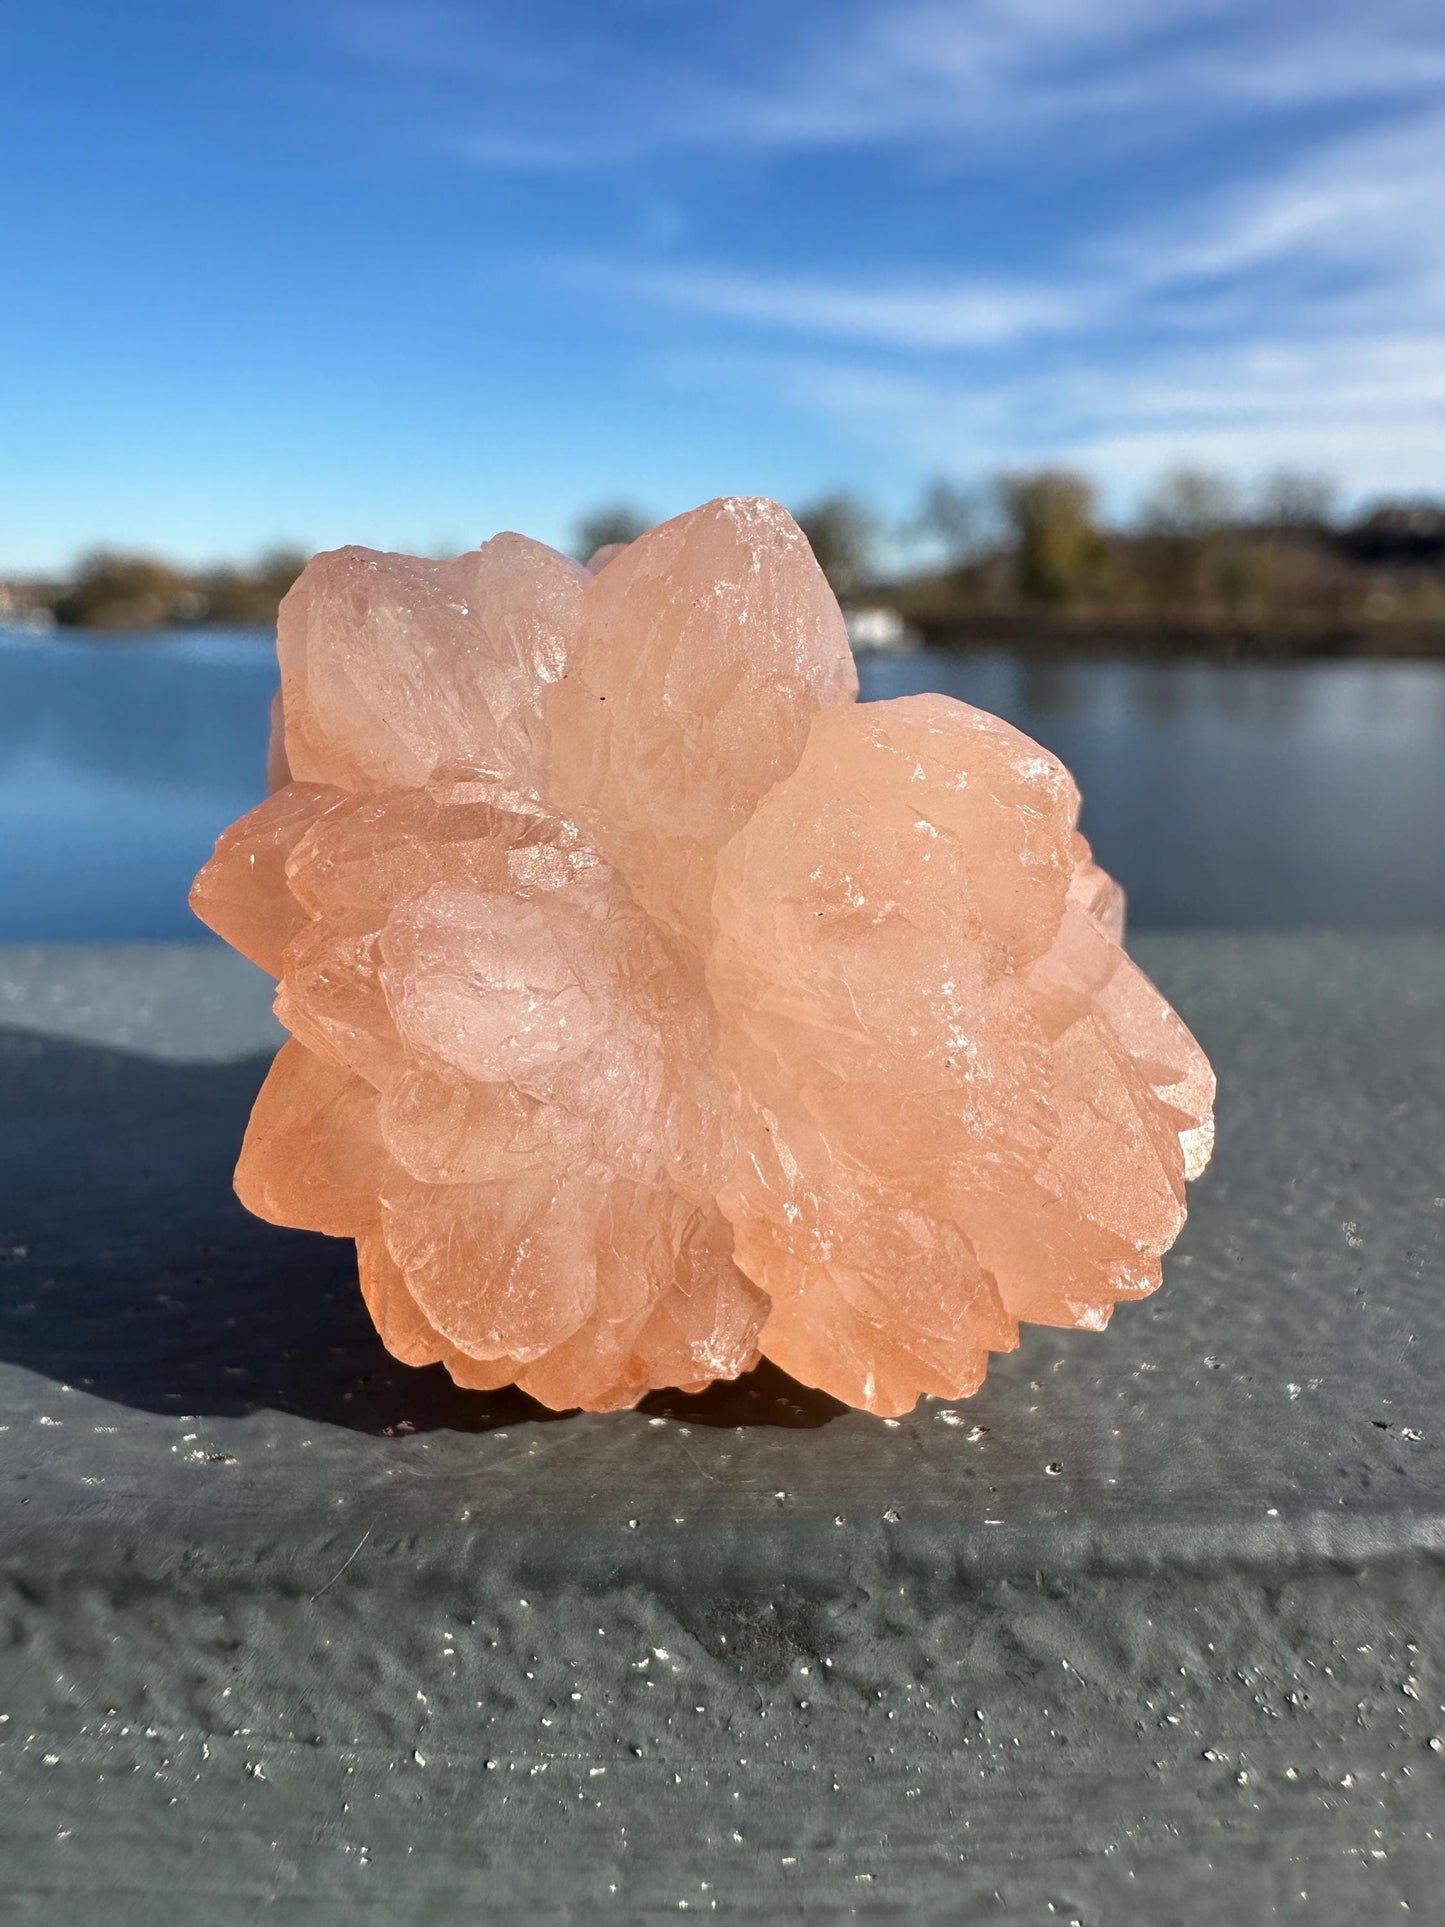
655 1004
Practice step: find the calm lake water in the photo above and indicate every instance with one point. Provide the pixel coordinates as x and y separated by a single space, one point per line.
1239 797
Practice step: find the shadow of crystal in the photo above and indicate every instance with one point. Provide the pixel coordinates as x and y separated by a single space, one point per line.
129 1269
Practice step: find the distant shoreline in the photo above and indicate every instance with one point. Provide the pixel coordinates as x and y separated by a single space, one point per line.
1103 635
1096 637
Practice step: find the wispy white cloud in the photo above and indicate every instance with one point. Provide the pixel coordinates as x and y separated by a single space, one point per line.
926 313
1299 318
1371 200
523 89
1288 304
514 153
1366 207
957 71
1370 411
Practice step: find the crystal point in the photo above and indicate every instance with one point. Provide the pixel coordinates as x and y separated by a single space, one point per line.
656 1005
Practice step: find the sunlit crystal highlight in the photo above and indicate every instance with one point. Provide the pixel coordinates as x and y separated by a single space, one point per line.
656 1005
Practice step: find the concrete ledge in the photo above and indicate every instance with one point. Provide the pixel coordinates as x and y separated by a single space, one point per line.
292 1631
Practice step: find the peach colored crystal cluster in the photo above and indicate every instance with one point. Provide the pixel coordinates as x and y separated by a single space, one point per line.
654 1004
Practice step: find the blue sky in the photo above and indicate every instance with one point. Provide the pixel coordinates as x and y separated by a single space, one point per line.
407 273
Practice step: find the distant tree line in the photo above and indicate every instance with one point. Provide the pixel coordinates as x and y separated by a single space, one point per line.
115 589
1030 545
1199 550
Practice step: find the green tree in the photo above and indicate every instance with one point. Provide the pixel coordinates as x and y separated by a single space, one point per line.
1188 522
279 568
1190 502
840 531
1296 499
247 595
111 590
601 527
957 519
1241 575
1057 545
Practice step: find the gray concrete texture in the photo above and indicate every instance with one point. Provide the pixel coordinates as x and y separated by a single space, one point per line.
1152 1630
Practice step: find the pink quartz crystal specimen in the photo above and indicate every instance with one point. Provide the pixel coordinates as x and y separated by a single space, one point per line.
655 1005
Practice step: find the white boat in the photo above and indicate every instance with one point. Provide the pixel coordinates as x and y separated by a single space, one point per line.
879 631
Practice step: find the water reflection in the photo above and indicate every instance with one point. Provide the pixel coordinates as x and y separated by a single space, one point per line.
1238 796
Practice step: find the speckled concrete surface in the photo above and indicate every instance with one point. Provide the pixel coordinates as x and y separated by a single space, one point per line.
1150 1631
